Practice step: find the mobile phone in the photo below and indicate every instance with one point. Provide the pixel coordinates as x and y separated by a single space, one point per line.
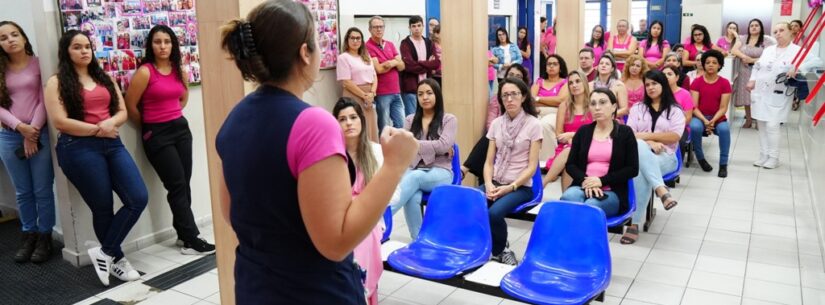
602 197
21 152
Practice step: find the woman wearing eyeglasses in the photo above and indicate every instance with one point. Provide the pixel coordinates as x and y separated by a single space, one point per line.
357 76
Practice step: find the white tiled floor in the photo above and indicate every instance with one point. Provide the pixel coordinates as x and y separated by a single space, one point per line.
747 239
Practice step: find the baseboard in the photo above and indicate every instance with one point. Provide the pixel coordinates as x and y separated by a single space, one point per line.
82 259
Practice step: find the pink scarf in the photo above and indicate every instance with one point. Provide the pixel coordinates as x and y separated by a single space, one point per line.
512 127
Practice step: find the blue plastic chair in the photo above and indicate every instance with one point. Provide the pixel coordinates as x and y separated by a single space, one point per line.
456 164
567 260
674 175
538 193
670 179
620 220
388 224
448 245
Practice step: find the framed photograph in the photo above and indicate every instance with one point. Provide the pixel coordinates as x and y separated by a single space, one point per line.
326 15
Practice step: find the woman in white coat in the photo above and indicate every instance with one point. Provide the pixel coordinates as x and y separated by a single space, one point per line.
770 104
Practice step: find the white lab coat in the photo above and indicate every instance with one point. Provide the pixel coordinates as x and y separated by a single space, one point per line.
768 99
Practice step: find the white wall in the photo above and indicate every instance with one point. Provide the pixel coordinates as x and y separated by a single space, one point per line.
74 217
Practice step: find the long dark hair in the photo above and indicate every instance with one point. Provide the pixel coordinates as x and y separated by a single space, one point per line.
613 101
507 39
5 96
523 43
435 125
366 159
174 57
69 83
760 41
667 100
705 35
660 39
593 43
529 104
562 65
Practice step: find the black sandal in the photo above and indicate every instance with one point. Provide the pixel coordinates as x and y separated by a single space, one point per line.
668 204
626 238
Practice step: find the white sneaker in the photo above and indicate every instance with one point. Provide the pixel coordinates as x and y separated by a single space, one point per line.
102 264
124 271
771 163
761 161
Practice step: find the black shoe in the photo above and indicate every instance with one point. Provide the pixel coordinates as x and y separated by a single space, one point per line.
705 165
197 246
723 171
27 245
43 251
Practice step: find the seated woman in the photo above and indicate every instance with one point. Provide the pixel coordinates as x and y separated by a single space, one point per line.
699 72
572 115
608 78
684 99
367 158
634 69
711 92
550 92
658 123
603 158
432 166
674 59
515 140
475 160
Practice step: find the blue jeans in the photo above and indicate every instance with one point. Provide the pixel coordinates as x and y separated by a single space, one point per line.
33 181
410 103
413 185
96 167
697 128
390 109
609 205
651 168
499 209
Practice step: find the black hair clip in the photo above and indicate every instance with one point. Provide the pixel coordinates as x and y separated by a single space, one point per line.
246 40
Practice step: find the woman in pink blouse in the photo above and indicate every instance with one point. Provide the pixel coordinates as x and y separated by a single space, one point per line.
635 68
24 142
357 75
367 158
512 158
655 46
597 42
727 41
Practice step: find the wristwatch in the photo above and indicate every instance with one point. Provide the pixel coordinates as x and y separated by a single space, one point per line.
514 187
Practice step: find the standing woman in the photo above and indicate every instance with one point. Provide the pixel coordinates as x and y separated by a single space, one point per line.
357 75
711 93
607 78
526 49
550 92
597 41
622 45
770 103
86 106
700 43
655 46
155 101
24 142
432 165
436 39
507 53
277 152
635 68
367 158
658 123
726 42
748 51
515 139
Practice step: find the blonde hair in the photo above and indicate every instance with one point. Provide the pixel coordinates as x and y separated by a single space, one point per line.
629 62
571 101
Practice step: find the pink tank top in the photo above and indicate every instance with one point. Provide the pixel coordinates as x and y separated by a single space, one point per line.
621 47
161 99
552 91
598 159
635 95
577 122
96 104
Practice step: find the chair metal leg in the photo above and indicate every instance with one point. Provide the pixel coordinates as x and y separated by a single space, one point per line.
600 297
651 213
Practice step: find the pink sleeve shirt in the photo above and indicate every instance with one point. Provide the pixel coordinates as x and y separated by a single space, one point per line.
685 99
315 136
26 92
640 120
355 69
520 154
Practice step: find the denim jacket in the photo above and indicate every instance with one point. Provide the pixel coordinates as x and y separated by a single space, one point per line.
515 55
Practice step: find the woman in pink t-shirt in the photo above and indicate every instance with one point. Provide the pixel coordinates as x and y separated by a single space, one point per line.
728 40
155 101
632 78
25 148
655 46
367 158
512 159
86 106
597 42
357 75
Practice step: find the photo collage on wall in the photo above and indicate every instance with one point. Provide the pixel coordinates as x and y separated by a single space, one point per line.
325 13
118 30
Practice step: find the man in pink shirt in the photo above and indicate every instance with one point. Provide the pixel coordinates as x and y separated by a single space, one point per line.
419 60
387 63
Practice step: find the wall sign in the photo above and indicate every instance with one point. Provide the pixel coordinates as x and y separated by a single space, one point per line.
118 30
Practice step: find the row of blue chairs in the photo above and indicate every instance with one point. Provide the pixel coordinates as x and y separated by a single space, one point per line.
448 246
